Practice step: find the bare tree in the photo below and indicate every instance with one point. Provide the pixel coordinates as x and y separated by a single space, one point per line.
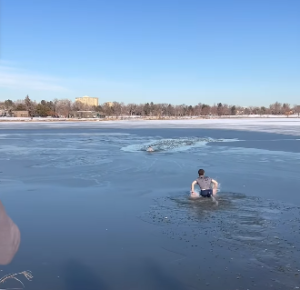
297 109
158 110
233 110
177 111
286 109
108 109
198 109
117 108
63 107
131 109
226 110
170 111
8 104
30 106
180 110
205 110
263 110
139 110
276 108
79 106
220 109
214 110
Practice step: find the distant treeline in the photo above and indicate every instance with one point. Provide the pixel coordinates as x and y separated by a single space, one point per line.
66 108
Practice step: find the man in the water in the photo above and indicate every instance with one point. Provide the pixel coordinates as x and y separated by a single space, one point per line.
205 184
150 149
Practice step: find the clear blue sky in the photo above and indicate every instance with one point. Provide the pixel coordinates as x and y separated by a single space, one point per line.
243 52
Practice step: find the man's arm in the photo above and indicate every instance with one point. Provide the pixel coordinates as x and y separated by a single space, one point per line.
193 185
215 183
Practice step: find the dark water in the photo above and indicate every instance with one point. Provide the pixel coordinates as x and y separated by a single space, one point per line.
95 211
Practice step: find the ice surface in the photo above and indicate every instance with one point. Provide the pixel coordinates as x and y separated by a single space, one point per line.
88 199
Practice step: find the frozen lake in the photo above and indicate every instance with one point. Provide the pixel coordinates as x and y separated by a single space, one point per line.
95 211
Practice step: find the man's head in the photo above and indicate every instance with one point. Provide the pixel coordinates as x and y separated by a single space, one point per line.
201 172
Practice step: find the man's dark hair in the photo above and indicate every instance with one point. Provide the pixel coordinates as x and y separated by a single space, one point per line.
201 172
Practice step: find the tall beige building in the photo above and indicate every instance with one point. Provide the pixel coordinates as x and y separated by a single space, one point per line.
109 104
89 101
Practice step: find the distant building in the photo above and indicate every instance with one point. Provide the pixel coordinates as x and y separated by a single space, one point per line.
19 114
89 101
109 104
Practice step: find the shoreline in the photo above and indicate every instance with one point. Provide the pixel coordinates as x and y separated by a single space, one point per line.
37 119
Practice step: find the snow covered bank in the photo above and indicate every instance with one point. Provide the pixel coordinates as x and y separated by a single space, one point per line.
272 125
